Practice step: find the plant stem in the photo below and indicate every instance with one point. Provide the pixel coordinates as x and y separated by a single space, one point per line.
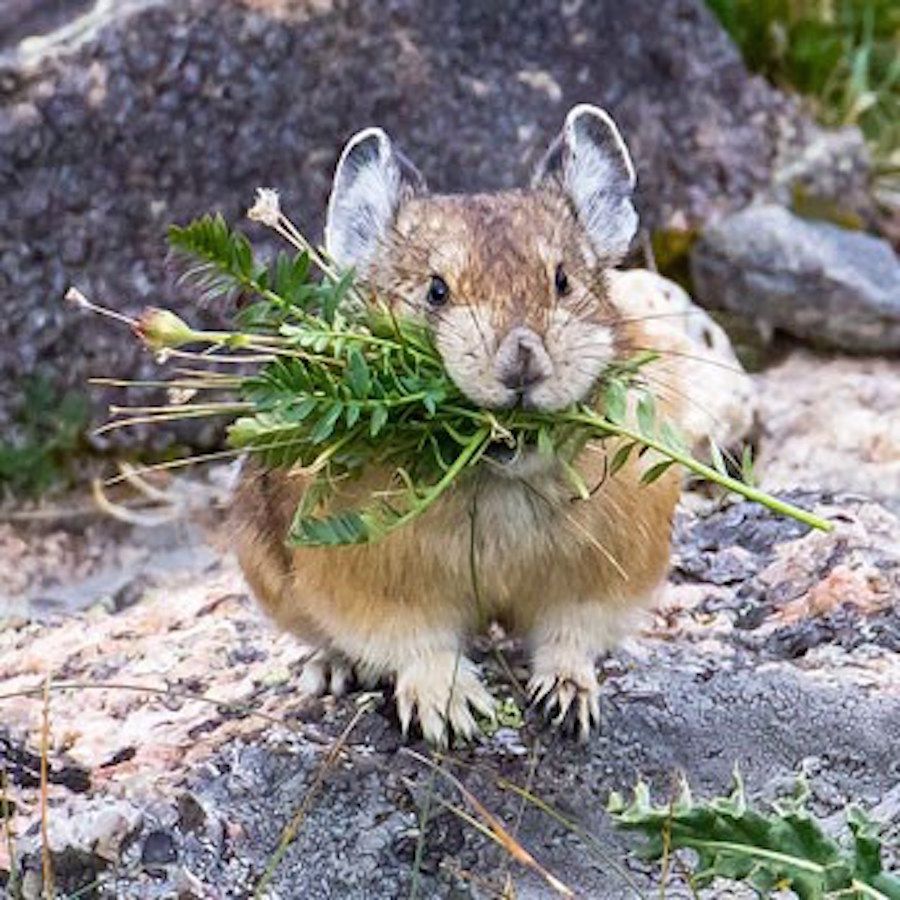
606 428
469 454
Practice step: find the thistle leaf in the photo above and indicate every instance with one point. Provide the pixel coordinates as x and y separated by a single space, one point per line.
783 849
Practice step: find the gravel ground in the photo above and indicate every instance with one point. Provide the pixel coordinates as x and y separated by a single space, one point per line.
774 649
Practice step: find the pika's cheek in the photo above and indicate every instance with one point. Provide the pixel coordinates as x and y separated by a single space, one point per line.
467 343
580 350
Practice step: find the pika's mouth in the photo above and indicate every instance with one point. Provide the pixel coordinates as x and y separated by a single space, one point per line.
501 452
504 453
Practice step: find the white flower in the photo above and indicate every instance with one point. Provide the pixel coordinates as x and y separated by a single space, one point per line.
74 296
267 209
179 396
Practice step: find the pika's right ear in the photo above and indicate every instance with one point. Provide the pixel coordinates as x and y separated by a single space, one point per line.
370 182
590 163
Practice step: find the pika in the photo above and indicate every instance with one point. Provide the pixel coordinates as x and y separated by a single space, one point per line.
525 304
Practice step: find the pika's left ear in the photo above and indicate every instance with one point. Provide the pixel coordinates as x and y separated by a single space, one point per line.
371 181
590 162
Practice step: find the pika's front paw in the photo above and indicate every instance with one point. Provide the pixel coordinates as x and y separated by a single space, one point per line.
443 689
325 672
567 685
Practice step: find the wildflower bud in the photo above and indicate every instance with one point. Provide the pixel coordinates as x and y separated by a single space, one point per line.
160 328
267 208
180 396
76 298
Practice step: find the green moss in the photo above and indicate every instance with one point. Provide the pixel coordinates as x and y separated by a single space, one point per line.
47 434
671 253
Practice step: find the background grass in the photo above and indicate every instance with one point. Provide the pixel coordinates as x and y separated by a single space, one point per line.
844 55
37 452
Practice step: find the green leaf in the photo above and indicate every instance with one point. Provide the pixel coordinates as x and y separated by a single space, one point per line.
656 471
325 426
379 420
574 478
545 444
328 531
786 848
718 461
671 437
646 414
358 374
748 473
620 458
298 412
615 401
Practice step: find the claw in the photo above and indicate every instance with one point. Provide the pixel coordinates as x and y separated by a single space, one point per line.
325 671
569 694
443 689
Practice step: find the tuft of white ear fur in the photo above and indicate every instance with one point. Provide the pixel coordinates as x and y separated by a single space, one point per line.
370 180
591 163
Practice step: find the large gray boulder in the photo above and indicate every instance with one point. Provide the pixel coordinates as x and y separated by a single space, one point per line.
829 285
151 111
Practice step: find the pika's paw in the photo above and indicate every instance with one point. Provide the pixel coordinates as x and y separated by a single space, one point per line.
566 684
325 672
443 689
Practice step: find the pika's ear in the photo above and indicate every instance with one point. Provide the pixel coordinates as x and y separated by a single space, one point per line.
591 164
370 182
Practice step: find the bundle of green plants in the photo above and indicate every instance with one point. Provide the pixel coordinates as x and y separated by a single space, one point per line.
337 383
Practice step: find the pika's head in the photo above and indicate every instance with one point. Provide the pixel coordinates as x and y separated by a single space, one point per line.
512 283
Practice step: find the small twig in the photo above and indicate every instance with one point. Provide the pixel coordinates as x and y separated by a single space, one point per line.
127 514
494 828
8 828
46 860
237 708
459 872
289 835
429 796
532 769
511 676
593 844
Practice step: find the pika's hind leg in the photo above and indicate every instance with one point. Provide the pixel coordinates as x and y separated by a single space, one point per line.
565 644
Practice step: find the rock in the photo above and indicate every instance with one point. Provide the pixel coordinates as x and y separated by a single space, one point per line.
831 422
158 850
820 282
772 644
719 397
829 177
146 112
85 837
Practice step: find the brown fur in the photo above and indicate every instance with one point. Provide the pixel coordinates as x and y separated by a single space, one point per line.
507 544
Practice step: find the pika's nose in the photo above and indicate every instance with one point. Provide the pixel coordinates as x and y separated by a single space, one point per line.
522 359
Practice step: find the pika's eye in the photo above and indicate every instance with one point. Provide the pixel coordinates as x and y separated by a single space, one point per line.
561 281
438 291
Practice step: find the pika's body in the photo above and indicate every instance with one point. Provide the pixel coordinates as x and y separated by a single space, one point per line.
520 291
